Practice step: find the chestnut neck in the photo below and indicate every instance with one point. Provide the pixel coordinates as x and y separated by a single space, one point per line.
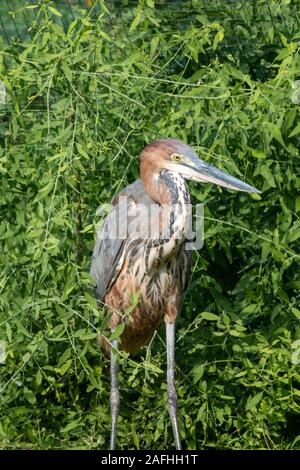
164 186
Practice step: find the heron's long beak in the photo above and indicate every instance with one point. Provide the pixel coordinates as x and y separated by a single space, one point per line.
198 170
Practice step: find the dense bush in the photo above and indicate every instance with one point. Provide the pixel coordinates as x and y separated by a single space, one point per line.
82 100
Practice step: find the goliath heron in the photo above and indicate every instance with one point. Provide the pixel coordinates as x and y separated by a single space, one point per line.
154 265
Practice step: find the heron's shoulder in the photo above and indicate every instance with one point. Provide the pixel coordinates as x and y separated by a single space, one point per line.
135 191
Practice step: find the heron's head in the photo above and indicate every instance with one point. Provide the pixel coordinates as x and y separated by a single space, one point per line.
180 158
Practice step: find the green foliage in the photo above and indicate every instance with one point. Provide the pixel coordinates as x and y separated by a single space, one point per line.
83 97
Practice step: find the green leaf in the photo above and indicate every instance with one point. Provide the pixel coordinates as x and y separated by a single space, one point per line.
267 174
258 153
43 192
65 367
276 133
297 439
118 331
235 72
29 396
209 316
136 21
23 330
295 131
64 357
91 300
105 36
26 357
38 377
296 312
54 10
88 336
235 333
154 44
135 438
198 372
58 29
67 71
253 401
218 38
71 426
148 365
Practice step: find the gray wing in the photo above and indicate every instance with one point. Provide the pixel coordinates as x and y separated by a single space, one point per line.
109 250
106 257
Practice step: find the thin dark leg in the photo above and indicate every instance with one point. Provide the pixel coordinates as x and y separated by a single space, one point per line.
172 396
114 394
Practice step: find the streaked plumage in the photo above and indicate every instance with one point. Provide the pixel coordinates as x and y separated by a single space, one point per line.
157 269
152 266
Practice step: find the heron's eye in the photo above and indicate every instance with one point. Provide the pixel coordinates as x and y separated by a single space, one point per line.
176 157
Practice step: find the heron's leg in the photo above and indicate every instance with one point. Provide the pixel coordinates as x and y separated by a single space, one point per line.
114 393
172 395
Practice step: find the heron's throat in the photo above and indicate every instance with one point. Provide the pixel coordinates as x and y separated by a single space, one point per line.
173 187
165 187
173 197
170 192
176 204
